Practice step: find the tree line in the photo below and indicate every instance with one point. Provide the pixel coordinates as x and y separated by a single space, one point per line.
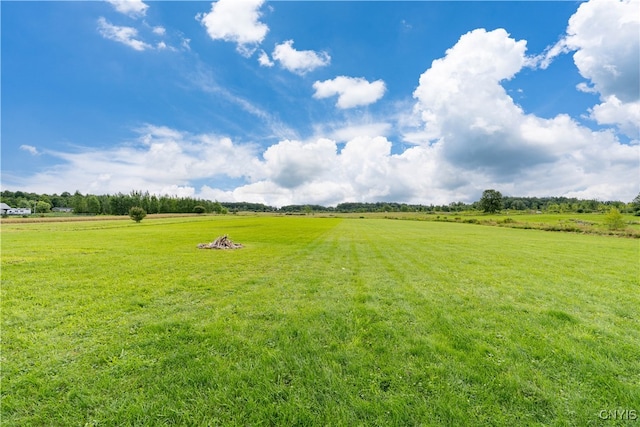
115 204
120 204
546 204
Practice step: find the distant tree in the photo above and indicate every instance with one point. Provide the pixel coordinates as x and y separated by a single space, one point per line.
154 205
93 205
553 208
136 213
43 207
199 209
219 209
57 201
589 205
23 203
491 201
458 206
105 204
78 203
519 205
614 219
636 205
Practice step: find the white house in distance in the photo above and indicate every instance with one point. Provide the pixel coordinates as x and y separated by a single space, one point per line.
8 210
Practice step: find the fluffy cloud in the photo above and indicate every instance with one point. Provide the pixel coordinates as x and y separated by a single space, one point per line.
236 21
480 132
610 62
625 115
344 132
317 172
351 91
290 164
363 170
133 8
299 61
322 171
124 35
161 159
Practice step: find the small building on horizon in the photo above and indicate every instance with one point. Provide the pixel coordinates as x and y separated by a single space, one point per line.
5 209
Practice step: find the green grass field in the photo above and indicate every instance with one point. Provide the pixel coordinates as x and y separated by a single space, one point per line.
583 223
317 321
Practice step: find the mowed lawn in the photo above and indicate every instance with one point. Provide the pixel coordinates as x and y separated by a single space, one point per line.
317 321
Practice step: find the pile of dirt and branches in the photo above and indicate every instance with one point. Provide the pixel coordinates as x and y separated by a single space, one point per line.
222 242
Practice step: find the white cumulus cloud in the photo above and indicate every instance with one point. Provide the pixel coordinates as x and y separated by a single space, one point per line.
604 35
236 21
351 91
163 159
344 132
487 138
133 8
124 35
624 115
167 161
299 61
293 163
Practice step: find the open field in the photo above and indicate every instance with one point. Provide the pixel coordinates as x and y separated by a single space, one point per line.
585 223
317 321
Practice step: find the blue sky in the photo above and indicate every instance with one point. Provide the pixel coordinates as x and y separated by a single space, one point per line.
285 102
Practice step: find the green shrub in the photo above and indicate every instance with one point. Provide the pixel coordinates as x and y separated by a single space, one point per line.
136 213
614 219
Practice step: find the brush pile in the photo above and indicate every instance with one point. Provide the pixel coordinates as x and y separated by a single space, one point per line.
222 242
